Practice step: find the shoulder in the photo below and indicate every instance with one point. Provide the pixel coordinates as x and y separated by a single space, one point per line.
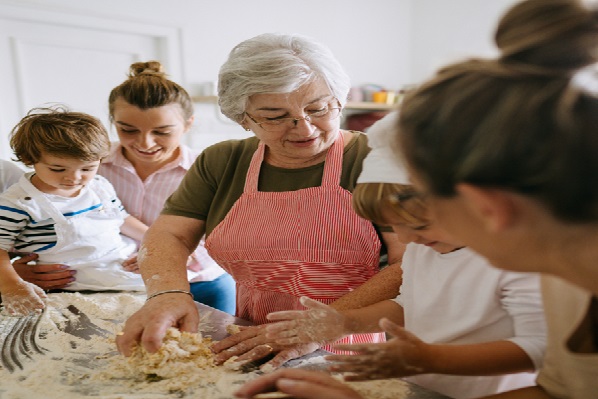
356 145
227 155
231 147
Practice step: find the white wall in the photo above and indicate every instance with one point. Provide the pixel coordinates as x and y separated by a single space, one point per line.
386 42
448 31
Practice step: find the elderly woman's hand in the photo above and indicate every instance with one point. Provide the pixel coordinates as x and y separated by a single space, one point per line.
401 356
45 276
251 345
23 298
299 384
149 324
319 323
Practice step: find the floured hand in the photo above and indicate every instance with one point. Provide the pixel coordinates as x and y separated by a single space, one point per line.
251 345
320 324
23 298
401 356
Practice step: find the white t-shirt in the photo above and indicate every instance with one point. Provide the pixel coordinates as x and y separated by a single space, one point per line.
9 174
459 298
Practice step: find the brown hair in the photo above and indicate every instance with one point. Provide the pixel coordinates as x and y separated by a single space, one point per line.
59 132
369 199
148 87
519 122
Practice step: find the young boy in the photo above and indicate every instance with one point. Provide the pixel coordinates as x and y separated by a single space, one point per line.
469 325
62 211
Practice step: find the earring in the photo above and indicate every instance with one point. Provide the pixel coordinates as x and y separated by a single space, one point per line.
247 129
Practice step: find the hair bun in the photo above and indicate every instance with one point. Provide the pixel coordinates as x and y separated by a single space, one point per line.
152 68
555 35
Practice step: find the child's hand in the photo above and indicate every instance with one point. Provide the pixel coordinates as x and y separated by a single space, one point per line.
401 356
23 299
320 324
131 264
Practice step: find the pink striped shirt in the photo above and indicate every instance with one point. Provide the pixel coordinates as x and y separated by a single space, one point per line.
145 199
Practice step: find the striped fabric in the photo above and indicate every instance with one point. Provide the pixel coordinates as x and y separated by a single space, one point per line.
145 199
280 246
23 232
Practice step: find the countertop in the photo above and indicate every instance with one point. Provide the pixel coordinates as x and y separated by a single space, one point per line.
64 350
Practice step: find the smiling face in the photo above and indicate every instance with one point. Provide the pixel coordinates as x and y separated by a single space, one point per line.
63 176
150 137
302 143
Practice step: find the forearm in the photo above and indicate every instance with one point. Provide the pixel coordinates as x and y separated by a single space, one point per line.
382 286
164 251
8 275
524 393
492 358
134 228
367 319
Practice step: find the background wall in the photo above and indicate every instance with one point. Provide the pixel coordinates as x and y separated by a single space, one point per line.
387 42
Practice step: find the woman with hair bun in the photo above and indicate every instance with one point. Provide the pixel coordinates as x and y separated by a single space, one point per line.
505 153
151 113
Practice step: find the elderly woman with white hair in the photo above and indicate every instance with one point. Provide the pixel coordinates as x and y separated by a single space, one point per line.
275 208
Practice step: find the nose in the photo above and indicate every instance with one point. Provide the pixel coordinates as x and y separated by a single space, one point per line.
303 125
145 141
74 176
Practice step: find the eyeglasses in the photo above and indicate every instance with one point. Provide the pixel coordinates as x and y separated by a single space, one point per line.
278 125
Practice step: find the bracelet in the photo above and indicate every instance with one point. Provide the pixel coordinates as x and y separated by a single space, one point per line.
155 294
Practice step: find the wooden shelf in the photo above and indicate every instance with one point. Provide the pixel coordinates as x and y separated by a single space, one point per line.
369 106
205 99
359 106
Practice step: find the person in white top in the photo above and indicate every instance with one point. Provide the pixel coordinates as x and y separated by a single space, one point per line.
62 211
469 329
9 174
151 113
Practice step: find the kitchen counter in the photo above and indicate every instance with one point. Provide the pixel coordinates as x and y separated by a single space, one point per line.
68 352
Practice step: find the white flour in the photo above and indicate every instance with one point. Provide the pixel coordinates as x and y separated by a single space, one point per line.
73 367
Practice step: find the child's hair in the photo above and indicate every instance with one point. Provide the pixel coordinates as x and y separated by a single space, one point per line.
148 87
60 132
369 199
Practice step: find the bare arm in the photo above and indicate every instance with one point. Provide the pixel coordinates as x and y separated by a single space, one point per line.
367 319
8 275
134 228
405 354
163 263
384 285
45 276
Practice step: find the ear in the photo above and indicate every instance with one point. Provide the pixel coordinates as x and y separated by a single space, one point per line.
189 123
495 208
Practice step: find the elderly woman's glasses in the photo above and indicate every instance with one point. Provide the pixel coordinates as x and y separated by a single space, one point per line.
275 125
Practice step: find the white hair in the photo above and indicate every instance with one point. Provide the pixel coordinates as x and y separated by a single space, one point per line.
276 63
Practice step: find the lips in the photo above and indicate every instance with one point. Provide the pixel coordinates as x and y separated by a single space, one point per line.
143 152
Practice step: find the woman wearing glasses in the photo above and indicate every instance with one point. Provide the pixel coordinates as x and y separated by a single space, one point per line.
275 208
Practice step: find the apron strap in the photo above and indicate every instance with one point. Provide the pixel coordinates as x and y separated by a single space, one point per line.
43 201
333 165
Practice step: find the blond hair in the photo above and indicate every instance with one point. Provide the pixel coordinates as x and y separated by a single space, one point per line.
372 200
59 132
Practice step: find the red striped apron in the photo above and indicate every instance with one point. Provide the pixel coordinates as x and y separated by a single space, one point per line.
279 246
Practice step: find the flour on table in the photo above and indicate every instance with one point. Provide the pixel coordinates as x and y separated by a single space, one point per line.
85 362
75 367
